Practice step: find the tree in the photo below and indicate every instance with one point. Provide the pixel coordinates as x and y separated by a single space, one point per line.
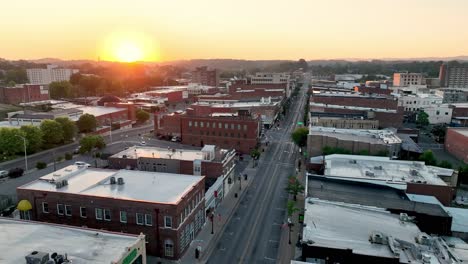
294 186
291 207
16 76
10 142
34 138
255 153
52 132
428 158
59 90
439 132
463 174
69 128
142 116
445 164
87 123
88 143
299 136
422 119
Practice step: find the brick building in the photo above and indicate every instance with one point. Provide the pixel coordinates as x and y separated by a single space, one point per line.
456 142
460 114
214 163
202 75
240 90
383 108
167 208
23 93
239 131
131 109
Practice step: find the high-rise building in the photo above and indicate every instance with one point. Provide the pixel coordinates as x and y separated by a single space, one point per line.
51 74
453 77
202 75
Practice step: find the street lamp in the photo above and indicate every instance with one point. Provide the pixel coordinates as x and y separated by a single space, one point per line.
290 225
212 222
25 153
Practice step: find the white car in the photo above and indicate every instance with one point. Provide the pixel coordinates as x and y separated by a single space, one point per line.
3 174
143 143
174 139
82 164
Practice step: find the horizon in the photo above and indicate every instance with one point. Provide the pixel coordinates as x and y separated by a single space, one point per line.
161 31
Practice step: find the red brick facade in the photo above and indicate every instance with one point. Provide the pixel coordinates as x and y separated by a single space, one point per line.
204 76
444 194
456 143
131 109
156 233
24 94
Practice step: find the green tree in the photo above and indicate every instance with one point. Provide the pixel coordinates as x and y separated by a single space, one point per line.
69 128
52 132
445 164
142 116
34 138
59 90
463 174
16 76
291 208
428 158
88 143
255 153
299 136
294 187
439 132
10 142
423 119
87 123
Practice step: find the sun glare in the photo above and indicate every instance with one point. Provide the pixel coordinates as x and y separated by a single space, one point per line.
129 47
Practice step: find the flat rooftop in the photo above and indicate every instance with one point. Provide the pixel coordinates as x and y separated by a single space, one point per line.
238 104
100 110
20 238
358 108
383 170
352 227
162 153
384 136
154 187
461 130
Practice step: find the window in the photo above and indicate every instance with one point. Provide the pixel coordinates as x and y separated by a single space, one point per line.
245 127
45 207
189 123
226 125
107 215
169 248
60 210
220 125
139 219
181 218
232 126
148 220
208 124
196 123
193 204
98 213
68 210
123 217
201 124
238 127
83 212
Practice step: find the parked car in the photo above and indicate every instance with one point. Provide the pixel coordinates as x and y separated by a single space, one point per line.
3 174
174 139
82 164
143 143
15 173
76 151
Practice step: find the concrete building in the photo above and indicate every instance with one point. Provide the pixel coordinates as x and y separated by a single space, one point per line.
23 93
371 142
408 79
415 102
460 115
456 142
337 232
25 240
167 208
411 176
210 161
272 78
453 77
438 113
22 118
242 91
348 105
50 74
343 122
202 75
453 95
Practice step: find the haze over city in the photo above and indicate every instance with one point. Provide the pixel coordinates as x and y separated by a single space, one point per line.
172 30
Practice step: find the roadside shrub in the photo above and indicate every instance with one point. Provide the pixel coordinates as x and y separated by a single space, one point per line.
41 165
68 156
59 158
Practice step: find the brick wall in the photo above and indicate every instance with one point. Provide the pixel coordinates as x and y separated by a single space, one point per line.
457 144
26 93
444 194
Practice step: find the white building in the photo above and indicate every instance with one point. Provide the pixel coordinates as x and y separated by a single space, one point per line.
273 78
38 241
415 102
407 79
439 113
51 74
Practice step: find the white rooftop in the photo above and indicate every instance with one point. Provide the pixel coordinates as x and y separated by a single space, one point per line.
460 130
161 153
348 226
238 104
20 238
155 187
354 107
381 169
368 135
100 110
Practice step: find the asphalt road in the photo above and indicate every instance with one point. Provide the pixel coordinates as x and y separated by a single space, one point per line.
252 235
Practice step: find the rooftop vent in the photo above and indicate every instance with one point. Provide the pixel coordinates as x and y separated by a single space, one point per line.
377 238
370 174
378 167
120 181
424 239
352 161
112 180
37 257
414 172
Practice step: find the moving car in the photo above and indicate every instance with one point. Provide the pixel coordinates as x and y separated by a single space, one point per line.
3 174
15 173
143 143
82 164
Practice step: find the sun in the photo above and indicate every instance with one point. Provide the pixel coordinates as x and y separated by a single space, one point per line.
129 46
128 51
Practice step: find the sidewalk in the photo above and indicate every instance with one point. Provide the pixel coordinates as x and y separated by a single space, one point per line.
223 214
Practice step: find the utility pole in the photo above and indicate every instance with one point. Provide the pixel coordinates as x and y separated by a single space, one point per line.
25 153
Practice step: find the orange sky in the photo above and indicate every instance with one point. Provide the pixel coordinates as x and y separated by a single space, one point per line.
178 29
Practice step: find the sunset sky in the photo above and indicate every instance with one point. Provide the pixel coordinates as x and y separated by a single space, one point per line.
162 30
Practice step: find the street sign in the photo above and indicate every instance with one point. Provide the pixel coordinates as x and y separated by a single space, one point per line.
300 123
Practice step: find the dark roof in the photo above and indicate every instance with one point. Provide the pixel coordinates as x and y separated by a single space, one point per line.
367 194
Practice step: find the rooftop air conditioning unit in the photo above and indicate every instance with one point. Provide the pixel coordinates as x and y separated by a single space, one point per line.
352 161
37 257
370 174
120 181
64 182
377 238
378 167
112 180
58 185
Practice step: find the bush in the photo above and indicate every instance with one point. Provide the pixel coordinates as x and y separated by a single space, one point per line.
41 165
97 155
59 158
68 156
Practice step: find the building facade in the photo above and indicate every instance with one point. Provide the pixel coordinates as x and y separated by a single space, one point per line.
167 208
408 79
456 142
273 78
415 102
23 93
51 74
202 75
453 77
